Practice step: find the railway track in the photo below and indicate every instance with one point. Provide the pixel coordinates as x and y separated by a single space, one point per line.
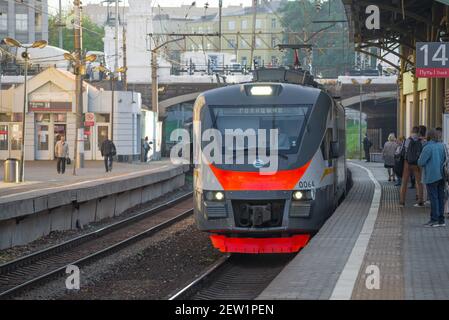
241 277
22 273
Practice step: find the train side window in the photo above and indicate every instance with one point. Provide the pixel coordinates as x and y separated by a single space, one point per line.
326 146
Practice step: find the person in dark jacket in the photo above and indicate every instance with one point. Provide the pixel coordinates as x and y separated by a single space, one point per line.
108 151
411 167
431 160
366 146
146 149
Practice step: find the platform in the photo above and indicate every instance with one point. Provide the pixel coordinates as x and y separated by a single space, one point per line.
370 249
43 174
49 201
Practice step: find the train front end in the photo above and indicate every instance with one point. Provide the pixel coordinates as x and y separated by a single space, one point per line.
261 180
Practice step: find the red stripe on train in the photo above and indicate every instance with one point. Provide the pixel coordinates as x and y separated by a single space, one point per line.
279 180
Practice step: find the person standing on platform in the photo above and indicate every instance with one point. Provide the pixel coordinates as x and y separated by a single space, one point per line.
399 160
411 151
108 151
388 154
367 144
423 139
446 186
146 149
431 160
61 154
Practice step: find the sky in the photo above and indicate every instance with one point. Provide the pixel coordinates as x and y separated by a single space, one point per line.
54 4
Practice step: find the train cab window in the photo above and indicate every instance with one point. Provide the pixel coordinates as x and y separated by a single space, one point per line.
287 119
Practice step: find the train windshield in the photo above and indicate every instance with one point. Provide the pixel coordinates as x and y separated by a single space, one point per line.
287 119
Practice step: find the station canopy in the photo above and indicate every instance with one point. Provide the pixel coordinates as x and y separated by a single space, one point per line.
401 22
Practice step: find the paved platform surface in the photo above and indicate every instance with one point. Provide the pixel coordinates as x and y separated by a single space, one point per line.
42 176
370 249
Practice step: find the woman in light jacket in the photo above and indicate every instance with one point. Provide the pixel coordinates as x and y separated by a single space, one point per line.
388 155
61 154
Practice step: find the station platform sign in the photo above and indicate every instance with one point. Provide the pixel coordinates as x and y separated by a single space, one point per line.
432 60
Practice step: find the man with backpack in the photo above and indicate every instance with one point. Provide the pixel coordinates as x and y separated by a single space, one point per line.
411 151
108 151
432 160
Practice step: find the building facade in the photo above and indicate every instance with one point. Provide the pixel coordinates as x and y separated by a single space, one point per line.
237 29
51 113
25 20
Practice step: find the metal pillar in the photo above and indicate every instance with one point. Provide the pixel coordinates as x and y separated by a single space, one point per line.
79 136
360 122
154 99
25 102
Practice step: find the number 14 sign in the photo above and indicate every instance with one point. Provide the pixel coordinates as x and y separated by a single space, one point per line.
432 60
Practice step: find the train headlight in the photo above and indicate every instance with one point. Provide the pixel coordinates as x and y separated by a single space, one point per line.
298 195
219 196
261 91
303 195
214 195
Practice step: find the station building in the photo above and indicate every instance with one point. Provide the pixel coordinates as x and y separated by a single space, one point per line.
51 112
402 25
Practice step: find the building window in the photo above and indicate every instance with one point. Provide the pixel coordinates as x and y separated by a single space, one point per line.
17 117
21 21
42 117
5 117
3 137
244 24
273 42
3 21
273 23
16 136
38 22
87 137
258 43
258 23
231 44
59 117
231 25
102 117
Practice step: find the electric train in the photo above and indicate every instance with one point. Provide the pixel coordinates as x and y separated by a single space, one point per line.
251 206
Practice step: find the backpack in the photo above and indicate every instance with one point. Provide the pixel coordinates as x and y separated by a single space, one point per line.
399 161
113 150
413 151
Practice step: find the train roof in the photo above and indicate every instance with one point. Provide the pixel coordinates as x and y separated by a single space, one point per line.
282 93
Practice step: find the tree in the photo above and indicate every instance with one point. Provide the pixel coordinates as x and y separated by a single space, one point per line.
333 54
92 34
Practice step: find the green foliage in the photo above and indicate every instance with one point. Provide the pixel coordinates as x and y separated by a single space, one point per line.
92 35
353 138
333 54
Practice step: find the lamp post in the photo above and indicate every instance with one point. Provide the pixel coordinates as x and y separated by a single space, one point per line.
360 84
39 44
112 78
79 63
